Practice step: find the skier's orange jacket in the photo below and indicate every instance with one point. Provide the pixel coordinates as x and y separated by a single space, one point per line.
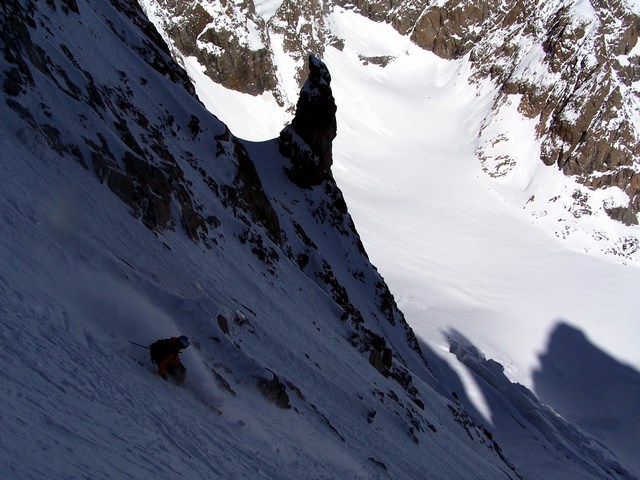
171 361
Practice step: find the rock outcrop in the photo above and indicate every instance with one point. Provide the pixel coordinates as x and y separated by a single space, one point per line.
307 142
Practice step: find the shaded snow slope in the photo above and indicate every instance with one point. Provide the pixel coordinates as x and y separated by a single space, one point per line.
591 388
462 251
100 247
130 213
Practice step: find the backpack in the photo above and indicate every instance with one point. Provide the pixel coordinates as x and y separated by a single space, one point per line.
161 349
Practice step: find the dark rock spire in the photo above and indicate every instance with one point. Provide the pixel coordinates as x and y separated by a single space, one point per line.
307 141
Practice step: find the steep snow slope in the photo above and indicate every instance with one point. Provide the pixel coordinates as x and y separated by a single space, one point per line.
130 213
462 252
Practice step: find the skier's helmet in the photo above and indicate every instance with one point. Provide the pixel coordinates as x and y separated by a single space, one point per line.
183 341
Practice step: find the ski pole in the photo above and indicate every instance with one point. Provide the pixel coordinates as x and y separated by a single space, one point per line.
138 345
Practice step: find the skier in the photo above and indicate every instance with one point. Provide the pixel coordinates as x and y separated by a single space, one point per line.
165 353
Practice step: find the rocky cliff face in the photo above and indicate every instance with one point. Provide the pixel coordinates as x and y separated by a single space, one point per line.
573 67
239 47
229 39
572 71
